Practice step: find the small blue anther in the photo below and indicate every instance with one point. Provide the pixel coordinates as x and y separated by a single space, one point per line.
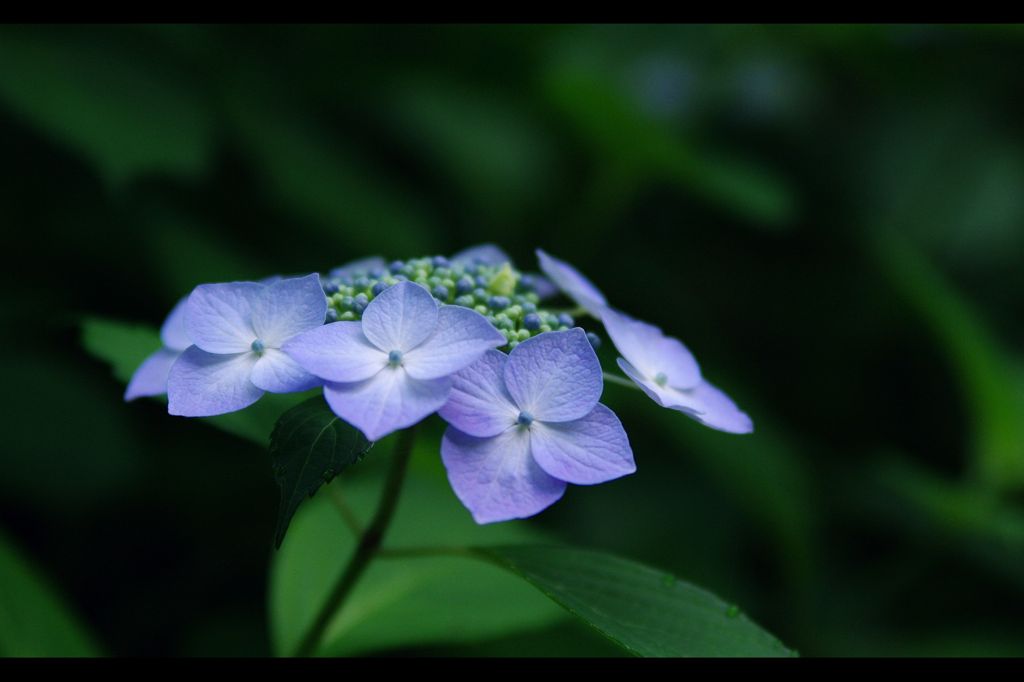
566 319
524 418
532 322
395 358
258 346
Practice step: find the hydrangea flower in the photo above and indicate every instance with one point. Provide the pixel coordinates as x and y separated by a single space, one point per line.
573 284
394 367
356 266
486 254
523 425
151 376
238 329
668 373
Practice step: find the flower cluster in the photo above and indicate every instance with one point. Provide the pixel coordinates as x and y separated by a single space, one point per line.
467 336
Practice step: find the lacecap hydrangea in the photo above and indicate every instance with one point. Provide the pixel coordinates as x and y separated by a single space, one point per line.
469 337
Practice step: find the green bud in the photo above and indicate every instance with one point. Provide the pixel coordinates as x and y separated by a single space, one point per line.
503 283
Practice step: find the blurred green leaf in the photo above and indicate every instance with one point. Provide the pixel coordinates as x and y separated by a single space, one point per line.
648 612
990 381
124 346
627 139
34 621
400 602
318 177
309 446
104 103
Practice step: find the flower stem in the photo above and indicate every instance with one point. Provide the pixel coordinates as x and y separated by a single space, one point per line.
366 550
615 379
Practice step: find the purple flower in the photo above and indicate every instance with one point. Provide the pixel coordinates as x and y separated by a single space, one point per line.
358 266
668 373
151 377
483 254
525 424
394 367
573 284
238 329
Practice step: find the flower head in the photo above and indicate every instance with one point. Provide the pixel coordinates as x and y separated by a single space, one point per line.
525 424
668 373
237 330
394 367
573 284
151 376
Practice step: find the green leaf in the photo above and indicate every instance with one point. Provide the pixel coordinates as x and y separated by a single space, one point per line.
124 346
33 619
104 102
400 602
309 446
647 612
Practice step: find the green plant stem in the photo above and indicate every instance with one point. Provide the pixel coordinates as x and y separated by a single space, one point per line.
620 381
346 513
368 547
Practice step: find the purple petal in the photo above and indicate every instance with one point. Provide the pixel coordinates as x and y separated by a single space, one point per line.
400 318
219 316
388 401
461 337
590 450
173 333
337 352
486 254
278 373
203 384
288 307
479 404
544 287
496 478
357 266
719 411
555 376
151 376
665 396
650 352
573 283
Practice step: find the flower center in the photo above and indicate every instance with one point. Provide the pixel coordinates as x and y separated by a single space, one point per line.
395 358
524 418
258 346
660 379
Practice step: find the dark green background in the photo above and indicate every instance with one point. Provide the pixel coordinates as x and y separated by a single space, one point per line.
831 218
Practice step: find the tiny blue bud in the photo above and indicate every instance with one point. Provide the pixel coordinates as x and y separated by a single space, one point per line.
526 282
464 285
378 287
361 283
361 299
532 322
330 286
482 281
396 266
332 315
595 340
498 302
440 292
465 301
566 319
528 307
440 262
378 273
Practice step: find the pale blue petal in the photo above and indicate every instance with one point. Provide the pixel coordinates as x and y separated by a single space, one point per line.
719 411
496 478
278 373
544 287
650 352
219 316
485 254
555 376
288 307
663 395
151 376
479 405
461 337
400 318
572 282
388 401
173 333
590 450
337 352
363 265
203 384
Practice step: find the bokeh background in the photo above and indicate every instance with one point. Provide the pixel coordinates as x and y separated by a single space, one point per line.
831 218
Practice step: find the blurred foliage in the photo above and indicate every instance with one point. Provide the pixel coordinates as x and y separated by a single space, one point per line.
830 217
